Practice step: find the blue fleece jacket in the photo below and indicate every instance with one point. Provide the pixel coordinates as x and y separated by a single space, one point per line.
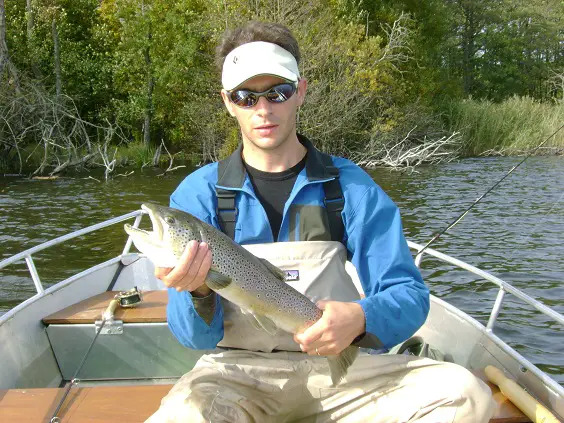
397 299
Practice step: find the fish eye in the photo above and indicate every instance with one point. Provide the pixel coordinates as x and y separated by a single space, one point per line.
169 220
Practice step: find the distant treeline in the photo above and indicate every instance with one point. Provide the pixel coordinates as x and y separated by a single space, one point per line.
83 79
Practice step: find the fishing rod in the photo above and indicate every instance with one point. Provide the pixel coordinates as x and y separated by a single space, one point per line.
461 216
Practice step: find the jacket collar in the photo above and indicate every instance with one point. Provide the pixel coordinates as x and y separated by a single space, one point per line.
234 172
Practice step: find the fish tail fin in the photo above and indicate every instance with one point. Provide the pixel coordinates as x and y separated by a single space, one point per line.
339 364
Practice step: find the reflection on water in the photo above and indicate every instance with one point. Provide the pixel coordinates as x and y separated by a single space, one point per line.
514 233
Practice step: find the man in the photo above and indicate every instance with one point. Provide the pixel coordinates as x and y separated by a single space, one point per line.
282 193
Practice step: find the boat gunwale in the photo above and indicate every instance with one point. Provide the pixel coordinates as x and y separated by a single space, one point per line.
55 241
57 287
138 214
550 383
503 285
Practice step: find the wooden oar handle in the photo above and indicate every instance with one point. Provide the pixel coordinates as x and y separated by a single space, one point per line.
109 313
518 396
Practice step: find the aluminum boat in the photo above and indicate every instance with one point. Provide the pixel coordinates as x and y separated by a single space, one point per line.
61 362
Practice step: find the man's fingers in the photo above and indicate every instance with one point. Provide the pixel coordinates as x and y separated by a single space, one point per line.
311 334
195 277
205 266
322 304
197 262
320 348
161 272
183 265
327 349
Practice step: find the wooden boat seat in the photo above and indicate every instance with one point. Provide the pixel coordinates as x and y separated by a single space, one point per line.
125 404
141 345
151 310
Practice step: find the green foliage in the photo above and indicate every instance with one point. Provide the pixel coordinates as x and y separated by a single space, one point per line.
158 43
135 154
376 69
84 73
231 143
513 126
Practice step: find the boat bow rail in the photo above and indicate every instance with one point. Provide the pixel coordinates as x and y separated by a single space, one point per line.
27 254
503 286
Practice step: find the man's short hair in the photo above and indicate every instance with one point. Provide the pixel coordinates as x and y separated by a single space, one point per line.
256 31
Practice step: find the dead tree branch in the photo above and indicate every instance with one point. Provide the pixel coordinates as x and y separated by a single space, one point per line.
170 168
108 164
409 154
40 127
556 84
397 50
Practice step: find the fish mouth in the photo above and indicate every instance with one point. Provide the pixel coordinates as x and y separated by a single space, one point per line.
156 235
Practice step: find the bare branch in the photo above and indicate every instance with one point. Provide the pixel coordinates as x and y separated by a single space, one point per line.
125 174
407 154
397 50
170 168
53 124
556 83
108 164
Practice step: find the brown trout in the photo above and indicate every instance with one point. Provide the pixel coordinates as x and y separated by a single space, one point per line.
254 284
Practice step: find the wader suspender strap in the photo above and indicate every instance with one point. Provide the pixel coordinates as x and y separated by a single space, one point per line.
226 209
334 200
334 203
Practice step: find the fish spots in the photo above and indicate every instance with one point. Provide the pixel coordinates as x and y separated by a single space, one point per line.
252 284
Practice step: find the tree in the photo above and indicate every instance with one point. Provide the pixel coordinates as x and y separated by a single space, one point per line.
4 58
155 62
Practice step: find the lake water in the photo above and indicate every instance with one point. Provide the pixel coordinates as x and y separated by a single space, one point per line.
515 233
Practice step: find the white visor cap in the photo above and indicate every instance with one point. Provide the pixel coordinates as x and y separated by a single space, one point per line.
258 58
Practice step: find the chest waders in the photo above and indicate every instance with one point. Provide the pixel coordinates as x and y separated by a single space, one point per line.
315 268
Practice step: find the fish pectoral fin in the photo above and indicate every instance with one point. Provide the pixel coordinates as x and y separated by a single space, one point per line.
280 274
251 318
254 322
216 280
265 323
339 364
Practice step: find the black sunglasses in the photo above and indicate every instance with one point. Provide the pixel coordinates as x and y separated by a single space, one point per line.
277 94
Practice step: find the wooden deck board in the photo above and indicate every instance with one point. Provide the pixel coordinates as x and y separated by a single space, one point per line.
151 310
120 404
129 404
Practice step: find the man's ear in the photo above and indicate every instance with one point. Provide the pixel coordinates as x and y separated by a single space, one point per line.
302 88
228 104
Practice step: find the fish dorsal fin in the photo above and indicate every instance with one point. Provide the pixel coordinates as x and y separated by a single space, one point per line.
280 274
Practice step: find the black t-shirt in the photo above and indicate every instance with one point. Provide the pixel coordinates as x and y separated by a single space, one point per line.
273 190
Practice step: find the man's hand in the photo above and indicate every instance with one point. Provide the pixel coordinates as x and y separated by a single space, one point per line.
340 324
190 272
